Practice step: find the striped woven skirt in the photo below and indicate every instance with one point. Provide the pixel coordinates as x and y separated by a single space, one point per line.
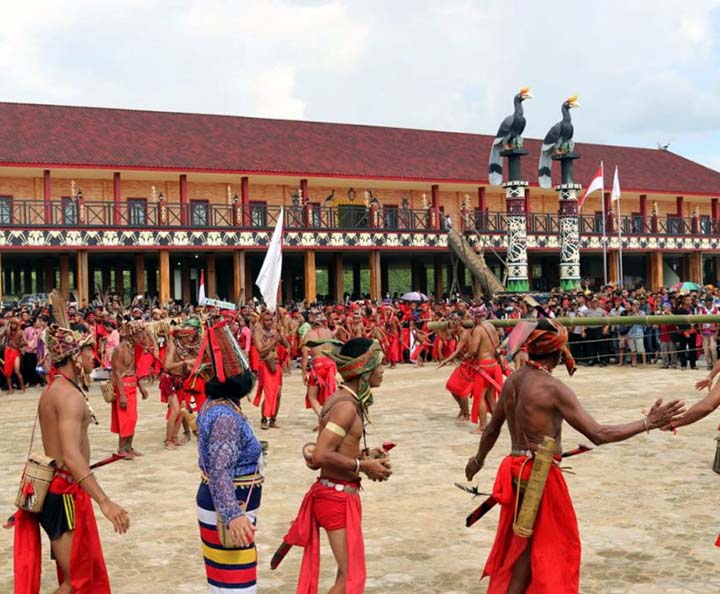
229 571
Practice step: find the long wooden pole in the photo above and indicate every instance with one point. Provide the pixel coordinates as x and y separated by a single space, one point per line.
607 321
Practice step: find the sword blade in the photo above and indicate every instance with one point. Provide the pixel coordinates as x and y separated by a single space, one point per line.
279 555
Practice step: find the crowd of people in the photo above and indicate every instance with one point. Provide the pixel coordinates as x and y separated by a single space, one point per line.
205 360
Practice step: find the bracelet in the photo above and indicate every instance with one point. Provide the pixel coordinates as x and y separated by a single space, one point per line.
357 466
83 478
645 424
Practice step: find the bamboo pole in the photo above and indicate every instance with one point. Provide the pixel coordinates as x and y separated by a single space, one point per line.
607 321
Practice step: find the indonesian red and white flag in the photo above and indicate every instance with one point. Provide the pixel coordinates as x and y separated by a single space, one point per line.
201 291
268 280
597 183
615 194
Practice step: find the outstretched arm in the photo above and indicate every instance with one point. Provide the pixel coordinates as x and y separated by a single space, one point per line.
492 432
581 420
700 409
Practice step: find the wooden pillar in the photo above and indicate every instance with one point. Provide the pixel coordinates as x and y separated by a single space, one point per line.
644 214
655 267
310 281
27 280
106 278
152 284
140 273
211 280
384 277
82 282
48 276
183 200
185 281
375 293
338 288
47 196
357 280
117 199
694 267
435 205
119 278
305 198
64 276
245 200
680 206
239 277
287 281
482 199
613 267
439 287
164 276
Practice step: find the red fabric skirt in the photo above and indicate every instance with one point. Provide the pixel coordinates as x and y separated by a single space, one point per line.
254 358
460 383
555 556
322 375
269 384
393 352
10 355
489 375
88 574
123 422
335 508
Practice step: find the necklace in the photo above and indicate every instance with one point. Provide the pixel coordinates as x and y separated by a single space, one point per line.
93 418
539 366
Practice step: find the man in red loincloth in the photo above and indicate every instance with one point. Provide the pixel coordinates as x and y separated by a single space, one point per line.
534 404
124 409
67 515
333 501
267 340
318 369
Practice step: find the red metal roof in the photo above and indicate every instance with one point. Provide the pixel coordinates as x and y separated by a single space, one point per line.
60 136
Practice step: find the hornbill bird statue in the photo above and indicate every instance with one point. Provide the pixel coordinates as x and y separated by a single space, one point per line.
509 136
557 141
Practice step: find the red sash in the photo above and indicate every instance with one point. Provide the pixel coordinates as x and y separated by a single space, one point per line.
322 375
123 422
269 383
305 532
87 565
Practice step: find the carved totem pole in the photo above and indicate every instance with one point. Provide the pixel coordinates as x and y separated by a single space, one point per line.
509 143
558 145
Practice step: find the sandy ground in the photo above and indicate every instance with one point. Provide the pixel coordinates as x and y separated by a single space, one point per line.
645 507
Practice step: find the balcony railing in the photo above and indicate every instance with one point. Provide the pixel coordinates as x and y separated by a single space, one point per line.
23 214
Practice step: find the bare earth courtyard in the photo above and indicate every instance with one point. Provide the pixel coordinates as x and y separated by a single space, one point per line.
645 507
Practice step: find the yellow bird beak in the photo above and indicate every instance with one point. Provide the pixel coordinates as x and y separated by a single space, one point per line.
528 95
574 104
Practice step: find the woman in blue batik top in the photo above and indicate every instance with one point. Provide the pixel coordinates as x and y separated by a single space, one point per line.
231 463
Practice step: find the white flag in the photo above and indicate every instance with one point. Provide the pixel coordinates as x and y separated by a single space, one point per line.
201 291
597 183
615 194
268 280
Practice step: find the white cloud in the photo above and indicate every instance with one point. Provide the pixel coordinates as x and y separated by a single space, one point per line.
644 70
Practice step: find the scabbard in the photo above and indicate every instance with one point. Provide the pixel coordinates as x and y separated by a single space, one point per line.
279 555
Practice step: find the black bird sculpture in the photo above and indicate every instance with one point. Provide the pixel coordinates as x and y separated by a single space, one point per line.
508 136
557 141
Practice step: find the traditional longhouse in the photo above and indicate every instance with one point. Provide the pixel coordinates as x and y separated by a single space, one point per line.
141 201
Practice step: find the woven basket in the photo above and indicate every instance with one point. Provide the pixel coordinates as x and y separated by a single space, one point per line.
39 472
108 391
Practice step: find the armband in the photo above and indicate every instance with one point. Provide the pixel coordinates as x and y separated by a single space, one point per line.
336 429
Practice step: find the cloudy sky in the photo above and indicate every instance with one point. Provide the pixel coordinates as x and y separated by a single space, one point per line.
646 71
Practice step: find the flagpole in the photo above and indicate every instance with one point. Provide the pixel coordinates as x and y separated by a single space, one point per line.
604 223
620 250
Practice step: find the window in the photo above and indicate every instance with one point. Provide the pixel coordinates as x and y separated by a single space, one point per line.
390 217
598 223
674 225
705 225
6 213
258 214
199 210
137 212
69 211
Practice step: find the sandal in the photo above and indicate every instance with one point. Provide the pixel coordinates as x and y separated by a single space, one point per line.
263 423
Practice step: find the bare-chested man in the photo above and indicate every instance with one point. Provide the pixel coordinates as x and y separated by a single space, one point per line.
333 501
266 340
534 404
460 382
317 368
124 409
482 351
67 515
